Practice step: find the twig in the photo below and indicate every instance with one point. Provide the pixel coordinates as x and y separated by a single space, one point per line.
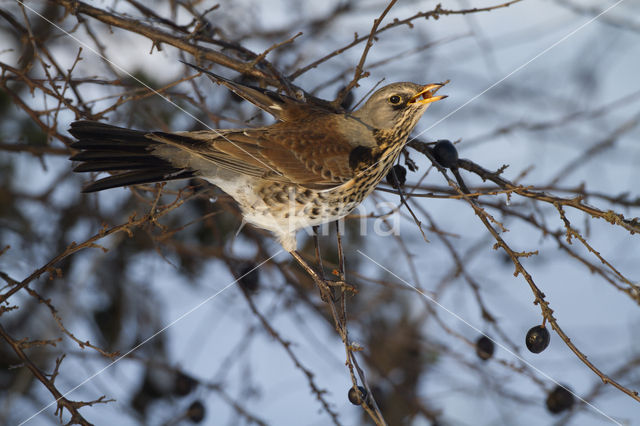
435 13
359 71
61 401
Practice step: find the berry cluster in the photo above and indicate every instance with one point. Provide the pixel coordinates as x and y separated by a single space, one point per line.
537 340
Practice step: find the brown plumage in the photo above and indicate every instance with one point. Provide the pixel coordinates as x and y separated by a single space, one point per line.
313 166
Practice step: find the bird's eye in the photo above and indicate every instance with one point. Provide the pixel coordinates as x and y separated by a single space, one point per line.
395 100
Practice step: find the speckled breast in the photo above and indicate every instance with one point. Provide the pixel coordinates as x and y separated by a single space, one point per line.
294 207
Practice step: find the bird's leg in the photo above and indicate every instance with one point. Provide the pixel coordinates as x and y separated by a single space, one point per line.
331 283
341 282
316 242
340 271
340 251
325 292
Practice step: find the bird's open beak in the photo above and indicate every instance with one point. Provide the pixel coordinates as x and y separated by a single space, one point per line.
426 94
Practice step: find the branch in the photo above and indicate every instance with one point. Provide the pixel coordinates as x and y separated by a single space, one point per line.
435 14
359 71
61 401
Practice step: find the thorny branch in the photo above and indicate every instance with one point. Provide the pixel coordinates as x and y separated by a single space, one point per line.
539 297
435 14
56 84
48 380
359 71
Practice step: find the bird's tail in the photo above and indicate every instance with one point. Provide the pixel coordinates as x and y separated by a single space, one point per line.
128 153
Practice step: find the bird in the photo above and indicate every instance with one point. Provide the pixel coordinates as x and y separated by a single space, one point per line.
314 165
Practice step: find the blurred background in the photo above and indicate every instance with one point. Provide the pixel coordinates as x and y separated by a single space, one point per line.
548 88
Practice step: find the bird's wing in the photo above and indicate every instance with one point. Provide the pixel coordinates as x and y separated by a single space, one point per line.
309 152
281 107
302 153
241 156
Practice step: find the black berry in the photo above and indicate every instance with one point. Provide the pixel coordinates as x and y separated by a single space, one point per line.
348 100
357 396
401 174
183 384
248 277
537 339
559 400
484 348
445 153
195 412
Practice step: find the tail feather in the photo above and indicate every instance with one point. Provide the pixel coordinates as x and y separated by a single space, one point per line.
121 164
128 153
110 144
93 130
137 177
90 154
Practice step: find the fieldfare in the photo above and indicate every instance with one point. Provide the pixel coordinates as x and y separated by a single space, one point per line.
314 165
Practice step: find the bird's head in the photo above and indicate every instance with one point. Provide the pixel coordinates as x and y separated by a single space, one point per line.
398 106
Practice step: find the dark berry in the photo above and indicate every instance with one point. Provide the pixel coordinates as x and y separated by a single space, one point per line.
348 100
401 175
248 277
183 384
445 153
537 339
559 400
484 348
357 396
150 391
195 412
